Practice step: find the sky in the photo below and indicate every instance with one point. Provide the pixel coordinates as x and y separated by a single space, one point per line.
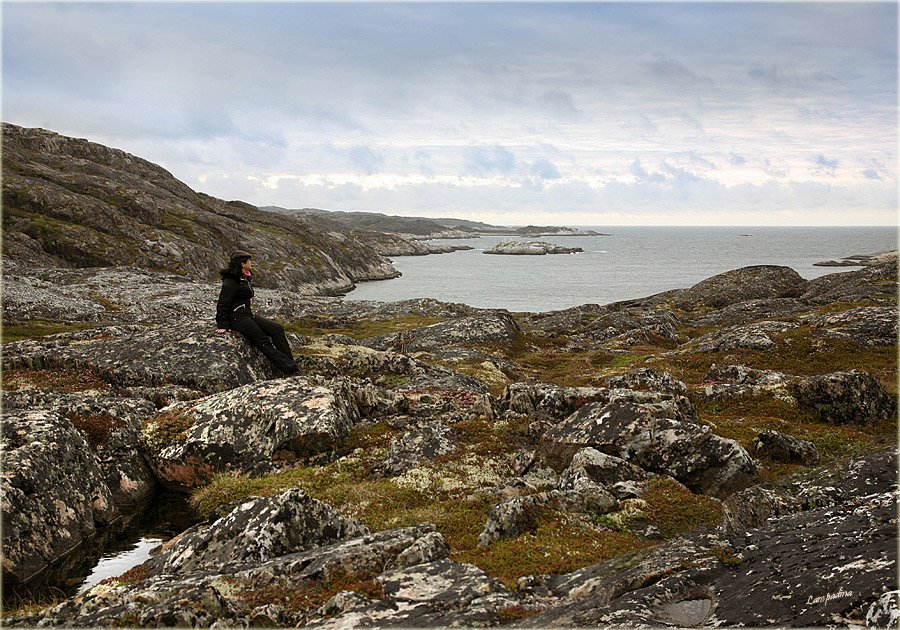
588 113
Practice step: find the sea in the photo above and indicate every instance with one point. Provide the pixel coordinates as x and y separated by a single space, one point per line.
627 263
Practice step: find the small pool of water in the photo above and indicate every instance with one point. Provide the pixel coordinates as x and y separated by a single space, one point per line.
118 562
117 550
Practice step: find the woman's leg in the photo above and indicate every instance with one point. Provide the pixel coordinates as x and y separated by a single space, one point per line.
276 332
248 327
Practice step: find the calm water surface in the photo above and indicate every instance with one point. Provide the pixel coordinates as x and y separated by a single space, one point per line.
632 262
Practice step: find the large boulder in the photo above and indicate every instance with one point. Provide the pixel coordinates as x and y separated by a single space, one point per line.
781 447
248 429
111 429
853 397
650 437
256 531
425 442
755 336
54 493
739 285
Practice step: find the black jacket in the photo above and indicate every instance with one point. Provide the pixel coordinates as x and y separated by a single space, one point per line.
234 298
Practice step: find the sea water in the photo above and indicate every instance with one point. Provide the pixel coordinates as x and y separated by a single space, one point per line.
630 263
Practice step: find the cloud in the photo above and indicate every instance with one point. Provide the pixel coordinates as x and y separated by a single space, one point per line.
364 159
824 165
488 160
775 169
736 159
545 169
558 102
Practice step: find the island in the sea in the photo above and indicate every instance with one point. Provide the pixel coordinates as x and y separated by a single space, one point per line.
530 248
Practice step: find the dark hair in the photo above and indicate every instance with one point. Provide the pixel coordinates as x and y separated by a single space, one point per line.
234 265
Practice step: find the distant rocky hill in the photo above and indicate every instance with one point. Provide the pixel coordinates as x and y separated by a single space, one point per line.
69 202
424 228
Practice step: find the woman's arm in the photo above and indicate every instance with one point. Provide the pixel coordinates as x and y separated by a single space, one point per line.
223 304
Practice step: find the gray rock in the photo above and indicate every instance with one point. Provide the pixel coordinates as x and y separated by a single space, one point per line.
750 577
741 285
412 447
744 375
852 397
750 311
647 379
54 493
615 474
492 327
159 357
870 326
781 447
256 531
876 282
111 428
756 336
649 437
247 428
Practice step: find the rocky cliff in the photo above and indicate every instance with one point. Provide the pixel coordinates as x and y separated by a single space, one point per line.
68 202
721 455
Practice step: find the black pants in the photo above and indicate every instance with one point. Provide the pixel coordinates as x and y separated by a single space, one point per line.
269 337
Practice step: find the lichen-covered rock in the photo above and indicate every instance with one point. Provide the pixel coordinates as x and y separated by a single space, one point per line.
750 311
111 428
618 476
647 379
155 356
853 397
590 325
54 493
247 428
846 554
744 375
648 436
876 282
869 326
755 336
426 442
517 516
781 447
739 285
490 327
256 531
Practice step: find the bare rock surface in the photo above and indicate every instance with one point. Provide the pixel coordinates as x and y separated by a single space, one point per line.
853 397
492 327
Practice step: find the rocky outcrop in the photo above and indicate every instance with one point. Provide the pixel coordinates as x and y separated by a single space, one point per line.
54 493
749 577
248 429
853 397
876 282
139 357
257 531
530 248
492 327
72 203
781 447
111 429
590 325
740 285
869 326
653 438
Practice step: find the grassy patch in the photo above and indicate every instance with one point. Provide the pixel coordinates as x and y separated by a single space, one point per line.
66 379
40 328
800 352
24 604
675 510
360 329
299 596
556 546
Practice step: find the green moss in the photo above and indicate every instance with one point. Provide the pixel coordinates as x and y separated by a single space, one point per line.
168 427
37 328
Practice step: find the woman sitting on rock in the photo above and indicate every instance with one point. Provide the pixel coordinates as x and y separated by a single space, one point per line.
233 313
